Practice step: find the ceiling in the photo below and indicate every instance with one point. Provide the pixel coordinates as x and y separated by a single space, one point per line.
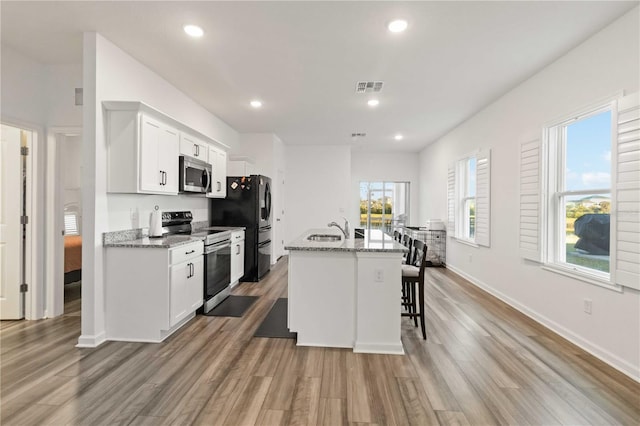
303 59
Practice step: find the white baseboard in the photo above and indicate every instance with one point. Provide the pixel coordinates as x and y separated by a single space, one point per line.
611 359
368 348
91 341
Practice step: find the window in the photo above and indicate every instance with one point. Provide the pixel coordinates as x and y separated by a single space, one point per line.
467 173
70 224
384 205
468 195
580 195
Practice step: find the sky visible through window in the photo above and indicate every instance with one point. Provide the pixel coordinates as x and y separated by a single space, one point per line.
588 161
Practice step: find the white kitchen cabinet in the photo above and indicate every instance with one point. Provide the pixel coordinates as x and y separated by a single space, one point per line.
193 147
151 292
237 256
186 288
142 154
240 168
218 161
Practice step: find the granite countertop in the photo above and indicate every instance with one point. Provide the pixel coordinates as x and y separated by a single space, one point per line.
169 241
373 241
136 238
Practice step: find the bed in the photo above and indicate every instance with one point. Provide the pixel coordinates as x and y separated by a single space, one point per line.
72 247
72 258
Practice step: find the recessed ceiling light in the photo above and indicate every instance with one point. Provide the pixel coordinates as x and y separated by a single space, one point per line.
398 137
373 102
397 26
193 30
256 104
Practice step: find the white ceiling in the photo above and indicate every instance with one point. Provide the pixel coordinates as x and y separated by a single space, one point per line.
303 59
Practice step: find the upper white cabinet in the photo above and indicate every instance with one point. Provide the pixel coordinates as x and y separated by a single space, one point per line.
218 161
143 149
192 147
237 167
143 154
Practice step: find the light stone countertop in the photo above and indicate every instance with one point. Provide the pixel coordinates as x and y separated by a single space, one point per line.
138 238
373 241
169 241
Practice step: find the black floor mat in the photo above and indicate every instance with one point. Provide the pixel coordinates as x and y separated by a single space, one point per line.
275 323
232 306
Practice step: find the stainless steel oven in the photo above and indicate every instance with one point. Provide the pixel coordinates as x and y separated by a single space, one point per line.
195 175
217 266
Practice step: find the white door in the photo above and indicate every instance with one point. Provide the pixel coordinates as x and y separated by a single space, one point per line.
279 246
11 302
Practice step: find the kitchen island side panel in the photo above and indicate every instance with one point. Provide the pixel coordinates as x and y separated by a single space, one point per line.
322 298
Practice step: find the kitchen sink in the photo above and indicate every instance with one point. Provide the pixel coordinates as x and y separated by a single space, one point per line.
324 237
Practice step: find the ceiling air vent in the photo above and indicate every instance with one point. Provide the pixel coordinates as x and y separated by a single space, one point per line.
368 86
358 135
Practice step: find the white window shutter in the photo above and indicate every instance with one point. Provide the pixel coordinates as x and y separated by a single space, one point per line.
483 199
626 216
451 200
530 241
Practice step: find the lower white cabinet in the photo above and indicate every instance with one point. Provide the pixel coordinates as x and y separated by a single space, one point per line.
237 256
186 289
151 292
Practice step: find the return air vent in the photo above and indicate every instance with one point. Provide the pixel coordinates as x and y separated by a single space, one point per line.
368 86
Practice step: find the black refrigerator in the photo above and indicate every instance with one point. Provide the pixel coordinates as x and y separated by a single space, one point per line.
248 204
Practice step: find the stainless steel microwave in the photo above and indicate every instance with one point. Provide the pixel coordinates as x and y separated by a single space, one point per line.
195 175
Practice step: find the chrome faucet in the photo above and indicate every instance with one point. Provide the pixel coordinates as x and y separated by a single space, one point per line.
344 230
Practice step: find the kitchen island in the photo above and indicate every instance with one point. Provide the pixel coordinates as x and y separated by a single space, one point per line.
346 293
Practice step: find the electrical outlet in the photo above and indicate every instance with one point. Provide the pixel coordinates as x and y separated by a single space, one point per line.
379 275
587 306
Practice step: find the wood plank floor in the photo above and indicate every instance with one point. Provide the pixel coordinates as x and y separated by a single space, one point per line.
483 363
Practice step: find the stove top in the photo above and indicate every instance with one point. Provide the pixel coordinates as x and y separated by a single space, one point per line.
209 231
213 236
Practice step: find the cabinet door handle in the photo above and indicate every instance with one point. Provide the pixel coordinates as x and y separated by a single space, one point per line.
238 249
193 269
189 252
219 186
165 178
161 177
188 270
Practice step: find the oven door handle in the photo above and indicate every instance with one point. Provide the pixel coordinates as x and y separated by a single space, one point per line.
215 248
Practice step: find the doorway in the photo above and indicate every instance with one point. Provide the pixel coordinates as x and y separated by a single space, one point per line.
384 205
15 211
64 235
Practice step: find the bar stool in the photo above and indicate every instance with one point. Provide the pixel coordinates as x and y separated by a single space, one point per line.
412 277
407 259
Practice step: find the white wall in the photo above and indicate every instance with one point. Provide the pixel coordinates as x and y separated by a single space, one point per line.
604 64
388 167
111 74
22 87
318 186
60 82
